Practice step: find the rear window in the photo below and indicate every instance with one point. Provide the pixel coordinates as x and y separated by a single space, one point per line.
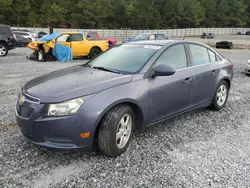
126 58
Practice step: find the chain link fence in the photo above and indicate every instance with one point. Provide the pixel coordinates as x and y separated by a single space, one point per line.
222 34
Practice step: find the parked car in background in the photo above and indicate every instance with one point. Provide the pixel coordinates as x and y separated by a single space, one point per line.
41 34
224 44
247 68
7 40
147 36
208 36
81 47
98 105
95 36
27 35
247 33
21 41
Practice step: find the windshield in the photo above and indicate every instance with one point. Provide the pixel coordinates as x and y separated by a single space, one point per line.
142 36
126 58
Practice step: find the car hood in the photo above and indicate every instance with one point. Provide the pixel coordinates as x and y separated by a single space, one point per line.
73 82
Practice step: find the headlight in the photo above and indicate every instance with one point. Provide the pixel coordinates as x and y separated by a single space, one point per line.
67 108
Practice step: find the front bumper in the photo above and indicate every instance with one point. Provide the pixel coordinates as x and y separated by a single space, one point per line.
59 133
247 69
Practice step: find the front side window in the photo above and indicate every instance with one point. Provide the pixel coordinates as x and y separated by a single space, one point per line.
127 59
174 56
76 37
199 54
63 38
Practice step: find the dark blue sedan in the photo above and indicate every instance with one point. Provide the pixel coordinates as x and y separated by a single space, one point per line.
98 105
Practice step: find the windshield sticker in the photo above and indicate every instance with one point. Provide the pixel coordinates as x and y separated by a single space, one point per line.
152 47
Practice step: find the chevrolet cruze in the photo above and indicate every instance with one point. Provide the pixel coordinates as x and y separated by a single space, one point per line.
98 105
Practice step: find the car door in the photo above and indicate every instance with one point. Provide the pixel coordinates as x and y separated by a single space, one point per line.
205 72
64 39
78 45
170 95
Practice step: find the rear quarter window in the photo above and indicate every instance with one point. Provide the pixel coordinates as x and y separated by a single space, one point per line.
212 56
199 54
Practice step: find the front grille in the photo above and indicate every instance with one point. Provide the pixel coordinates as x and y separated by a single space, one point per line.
30 98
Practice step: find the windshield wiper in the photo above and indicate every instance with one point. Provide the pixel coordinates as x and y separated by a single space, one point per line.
107 69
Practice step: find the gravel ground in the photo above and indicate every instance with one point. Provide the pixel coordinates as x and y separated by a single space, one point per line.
199 149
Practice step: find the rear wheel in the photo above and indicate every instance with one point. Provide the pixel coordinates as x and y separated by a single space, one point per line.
115 131
220 97
94 52
3 50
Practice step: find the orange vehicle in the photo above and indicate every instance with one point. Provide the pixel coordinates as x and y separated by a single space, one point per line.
80 45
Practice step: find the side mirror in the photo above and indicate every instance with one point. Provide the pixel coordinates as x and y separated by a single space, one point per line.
164 70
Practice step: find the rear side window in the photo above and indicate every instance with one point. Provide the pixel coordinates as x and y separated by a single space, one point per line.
212 56
76 37
199 54
23 34
174 56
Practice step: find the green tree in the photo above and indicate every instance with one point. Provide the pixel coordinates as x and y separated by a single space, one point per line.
191 13
51 13
210 12
4 8
19 10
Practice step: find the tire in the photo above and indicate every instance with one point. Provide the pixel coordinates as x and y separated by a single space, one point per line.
218 105
111 45
3 50
109 142
94 52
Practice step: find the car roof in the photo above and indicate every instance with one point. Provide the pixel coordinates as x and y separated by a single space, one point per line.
151 33
71 32
164 42
152 42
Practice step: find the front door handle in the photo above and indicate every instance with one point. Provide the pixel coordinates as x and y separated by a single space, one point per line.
187 80
213 72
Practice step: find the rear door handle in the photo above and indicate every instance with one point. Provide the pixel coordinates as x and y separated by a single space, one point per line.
187 80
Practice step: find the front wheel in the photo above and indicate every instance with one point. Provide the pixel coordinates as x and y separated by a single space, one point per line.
220 97
3 50
94 52
115 131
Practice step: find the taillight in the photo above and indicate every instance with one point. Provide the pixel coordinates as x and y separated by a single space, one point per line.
232 65
14 36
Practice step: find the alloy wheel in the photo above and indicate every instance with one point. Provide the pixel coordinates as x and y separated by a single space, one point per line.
221 95
124 131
